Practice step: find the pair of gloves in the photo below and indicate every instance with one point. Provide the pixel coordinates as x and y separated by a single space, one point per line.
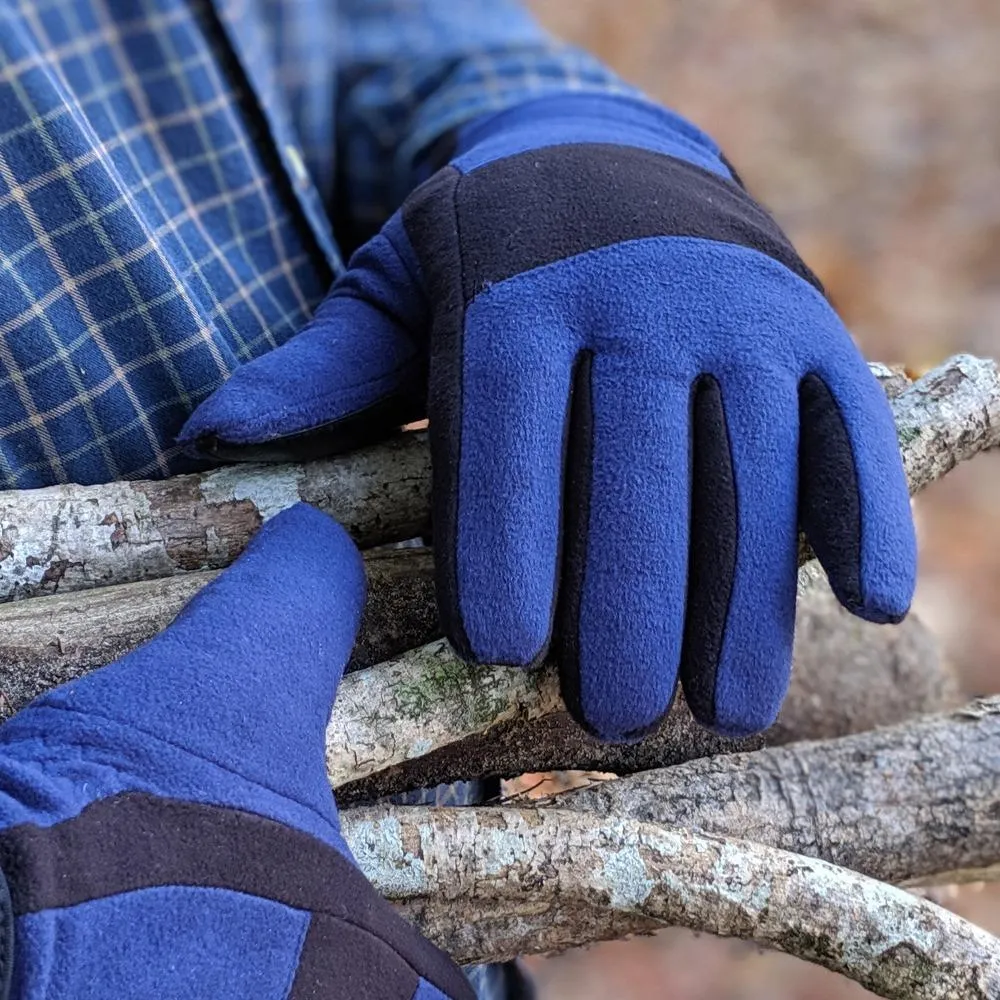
637 394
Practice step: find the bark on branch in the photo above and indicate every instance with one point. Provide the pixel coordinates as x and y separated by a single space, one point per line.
914 804
66 538
74 538
52 640
425 717
723 846
494 883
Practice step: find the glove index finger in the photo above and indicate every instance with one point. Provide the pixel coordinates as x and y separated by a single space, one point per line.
498 424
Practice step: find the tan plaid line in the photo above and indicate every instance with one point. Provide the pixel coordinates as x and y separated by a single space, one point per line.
127 314
101 95
157 300
174 221
171 225
128 196
81 306
44 436
10 261
106 440
18 377
100 232
34 420
24 393
102 149
93 392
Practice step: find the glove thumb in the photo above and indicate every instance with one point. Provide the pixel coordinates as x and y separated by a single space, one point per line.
352 376
246 675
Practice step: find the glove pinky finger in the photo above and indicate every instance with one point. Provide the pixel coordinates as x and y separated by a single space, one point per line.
853 500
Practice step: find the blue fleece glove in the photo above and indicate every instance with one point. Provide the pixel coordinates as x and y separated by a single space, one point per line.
637 394
166 825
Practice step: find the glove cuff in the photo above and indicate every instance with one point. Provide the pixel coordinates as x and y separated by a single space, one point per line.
92 866
566 119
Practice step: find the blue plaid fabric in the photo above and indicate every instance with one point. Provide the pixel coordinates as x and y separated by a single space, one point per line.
179 183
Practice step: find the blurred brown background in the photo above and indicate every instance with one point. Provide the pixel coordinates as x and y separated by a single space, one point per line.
871 129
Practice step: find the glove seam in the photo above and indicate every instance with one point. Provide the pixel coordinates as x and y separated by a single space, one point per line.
464 300
405 259
326 914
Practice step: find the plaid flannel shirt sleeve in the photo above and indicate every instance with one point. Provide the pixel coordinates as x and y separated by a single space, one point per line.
410 71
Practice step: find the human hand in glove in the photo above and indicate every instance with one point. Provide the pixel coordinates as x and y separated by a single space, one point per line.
166 824
637 394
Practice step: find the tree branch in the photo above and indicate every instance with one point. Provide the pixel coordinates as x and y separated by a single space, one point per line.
427 718
489 884
948 416
52 640
917 803
67 538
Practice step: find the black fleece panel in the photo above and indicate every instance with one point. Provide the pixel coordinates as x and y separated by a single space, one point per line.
829 501
375 423
357 961
138 841
713 548
576 518
431 224
548 204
